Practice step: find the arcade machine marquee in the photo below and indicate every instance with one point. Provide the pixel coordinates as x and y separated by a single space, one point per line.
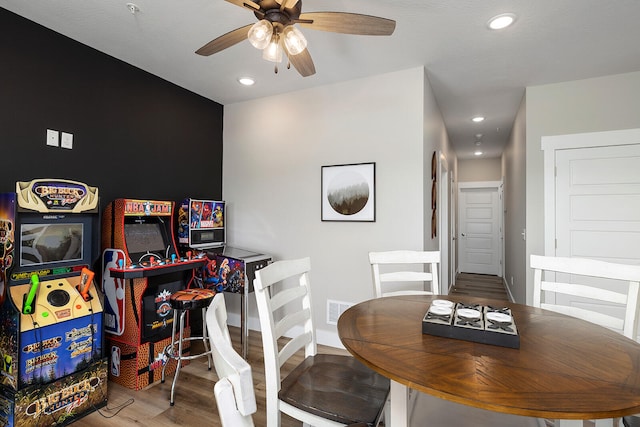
53 369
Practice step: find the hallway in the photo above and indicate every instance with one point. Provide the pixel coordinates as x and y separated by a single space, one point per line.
479 285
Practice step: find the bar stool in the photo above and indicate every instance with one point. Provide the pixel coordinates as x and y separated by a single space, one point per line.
182 302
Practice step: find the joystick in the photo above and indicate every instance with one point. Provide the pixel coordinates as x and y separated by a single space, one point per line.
28 303
86 277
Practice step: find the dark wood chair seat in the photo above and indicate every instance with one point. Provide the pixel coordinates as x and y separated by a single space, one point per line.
631 421
338 388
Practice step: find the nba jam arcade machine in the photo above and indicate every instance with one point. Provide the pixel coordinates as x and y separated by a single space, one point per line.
201 226
141 269
53 369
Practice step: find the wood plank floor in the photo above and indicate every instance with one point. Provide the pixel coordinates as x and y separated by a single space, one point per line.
194 401
480 285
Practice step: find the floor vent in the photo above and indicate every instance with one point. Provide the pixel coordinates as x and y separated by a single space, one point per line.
335 309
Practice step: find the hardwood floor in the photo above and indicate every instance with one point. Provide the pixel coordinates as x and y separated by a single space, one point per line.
480 285
194 401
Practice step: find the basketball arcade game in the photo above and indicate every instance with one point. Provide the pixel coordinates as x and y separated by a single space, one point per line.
141 270
53 367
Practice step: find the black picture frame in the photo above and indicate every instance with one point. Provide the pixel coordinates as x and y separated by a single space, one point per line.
348 192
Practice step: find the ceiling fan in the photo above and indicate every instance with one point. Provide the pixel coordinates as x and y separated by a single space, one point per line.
276 32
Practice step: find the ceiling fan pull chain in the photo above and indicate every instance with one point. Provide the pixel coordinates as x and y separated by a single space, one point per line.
275 68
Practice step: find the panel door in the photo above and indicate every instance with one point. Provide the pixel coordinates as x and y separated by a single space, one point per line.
598 210
479 215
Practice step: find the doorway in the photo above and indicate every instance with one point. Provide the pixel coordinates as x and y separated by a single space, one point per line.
480 227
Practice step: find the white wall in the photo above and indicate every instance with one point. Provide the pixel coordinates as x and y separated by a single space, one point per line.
513 164
273 152
592 105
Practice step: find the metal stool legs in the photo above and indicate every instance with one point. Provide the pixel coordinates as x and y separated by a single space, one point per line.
171 352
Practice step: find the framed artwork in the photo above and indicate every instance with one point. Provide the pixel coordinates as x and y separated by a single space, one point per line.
349 192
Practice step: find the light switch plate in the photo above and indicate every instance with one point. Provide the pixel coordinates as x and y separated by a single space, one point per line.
52 137
67 140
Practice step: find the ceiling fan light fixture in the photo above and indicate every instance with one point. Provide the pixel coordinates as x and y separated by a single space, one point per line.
273 52
477 119
260 34
294 40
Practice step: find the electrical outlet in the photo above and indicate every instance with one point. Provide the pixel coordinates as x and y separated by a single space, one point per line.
52 137
67 140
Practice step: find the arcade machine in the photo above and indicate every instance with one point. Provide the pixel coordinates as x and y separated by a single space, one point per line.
53 367
201 226
141 269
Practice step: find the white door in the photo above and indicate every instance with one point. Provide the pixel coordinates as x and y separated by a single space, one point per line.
594 201
480 235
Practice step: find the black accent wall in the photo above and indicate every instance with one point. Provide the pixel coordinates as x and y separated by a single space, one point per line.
134 134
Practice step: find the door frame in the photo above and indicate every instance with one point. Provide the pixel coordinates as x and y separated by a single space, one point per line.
443 205
497 185
550 145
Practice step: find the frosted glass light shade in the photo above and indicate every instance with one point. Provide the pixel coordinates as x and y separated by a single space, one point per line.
294 40
260 34
273 52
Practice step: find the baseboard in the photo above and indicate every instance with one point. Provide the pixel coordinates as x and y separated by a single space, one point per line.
508 289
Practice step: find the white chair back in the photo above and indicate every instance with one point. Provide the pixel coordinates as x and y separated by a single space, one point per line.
405 279
270 298
561 275
234 393
324 390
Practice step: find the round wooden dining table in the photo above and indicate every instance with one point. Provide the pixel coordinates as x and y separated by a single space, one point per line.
564 369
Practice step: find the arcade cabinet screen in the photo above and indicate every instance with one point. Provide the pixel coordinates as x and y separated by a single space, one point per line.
49 243
144 237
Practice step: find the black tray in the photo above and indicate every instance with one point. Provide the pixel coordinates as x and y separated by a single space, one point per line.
476 329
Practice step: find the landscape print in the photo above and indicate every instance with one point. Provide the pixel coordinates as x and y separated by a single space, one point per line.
348 192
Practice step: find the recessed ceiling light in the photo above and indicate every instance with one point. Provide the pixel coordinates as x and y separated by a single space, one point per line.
501 21
246 81
478 119
478 153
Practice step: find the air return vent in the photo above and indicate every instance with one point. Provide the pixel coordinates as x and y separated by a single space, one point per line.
335 309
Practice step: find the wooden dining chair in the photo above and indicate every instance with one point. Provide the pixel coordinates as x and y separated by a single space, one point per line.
404 272
324 389
576 287
234 393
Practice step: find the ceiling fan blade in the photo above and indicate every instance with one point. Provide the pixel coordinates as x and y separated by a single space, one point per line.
246 4
225 41
303 63
284 4
347 23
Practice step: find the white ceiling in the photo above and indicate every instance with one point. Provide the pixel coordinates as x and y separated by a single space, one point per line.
472 70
